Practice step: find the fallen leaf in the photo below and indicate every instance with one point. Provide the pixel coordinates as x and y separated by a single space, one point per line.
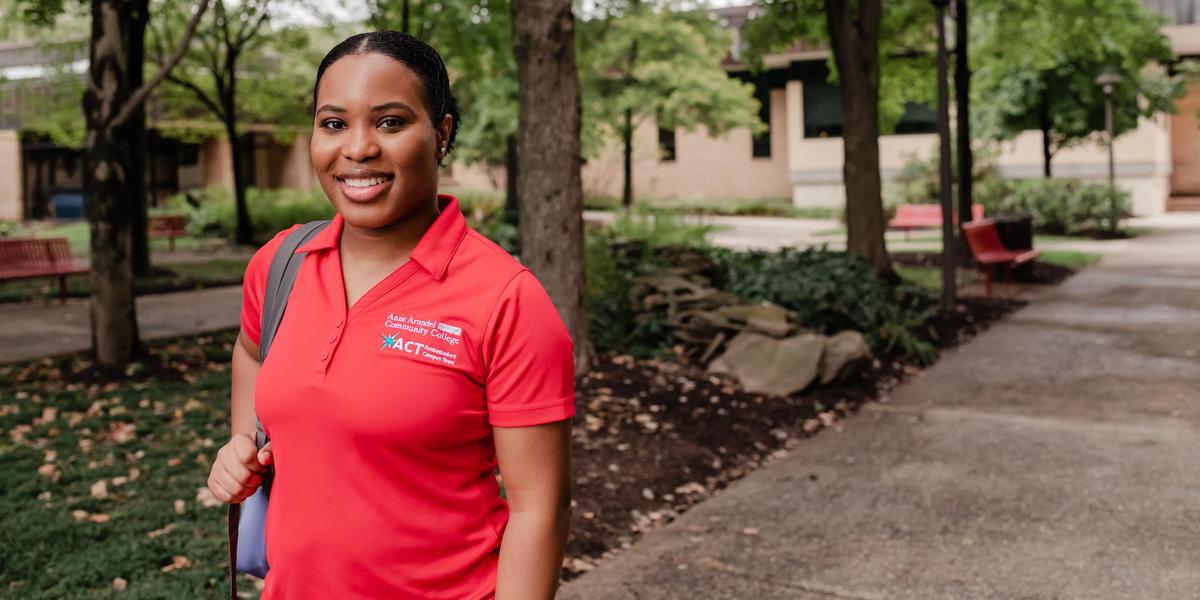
648 493
119 480
100 489
51 455
98 518
180 506
174 462
178 562
134 473
50 470
45 496
750 531
79 514
206 498
122 432
120 584
168 528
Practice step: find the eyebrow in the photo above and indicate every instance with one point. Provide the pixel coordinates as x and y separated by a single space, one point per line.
378 108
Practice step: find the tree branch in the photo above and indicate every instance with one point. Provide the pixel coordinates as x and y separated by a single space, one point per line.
199 93
139 96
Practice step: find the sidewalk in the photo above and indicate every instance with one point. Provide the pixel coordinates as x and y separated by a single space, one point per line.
42 329
1052 457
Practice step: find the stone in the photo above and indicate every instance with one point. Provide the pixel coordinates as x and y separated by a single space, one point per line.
766 365
845 353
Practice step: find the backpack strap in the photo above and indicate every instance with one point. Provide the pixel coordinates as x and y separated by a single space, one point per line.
280 278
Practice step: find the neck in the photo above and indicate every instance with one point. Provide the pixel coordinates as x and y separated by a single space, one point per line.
392 243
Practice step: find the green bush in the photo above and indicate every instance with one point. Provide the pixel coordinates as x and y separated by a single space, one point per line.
212 213
1060 206
658 228
833 291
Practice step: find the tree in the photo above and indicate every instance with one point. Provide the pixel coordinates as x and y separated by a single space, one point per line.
881 60
112 106
657 62
548 150
210 72
1036 65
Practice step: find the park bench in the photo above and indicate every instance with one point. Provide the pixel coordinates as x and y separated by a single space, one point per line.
988 251
924 216
168 226
24 258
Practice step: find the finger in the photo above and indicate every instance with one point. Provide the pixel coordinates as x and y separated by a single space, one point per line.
244 449
265 455
233 488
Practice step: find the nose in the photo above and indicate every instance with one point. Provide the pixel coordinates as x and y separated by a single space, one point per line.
359 145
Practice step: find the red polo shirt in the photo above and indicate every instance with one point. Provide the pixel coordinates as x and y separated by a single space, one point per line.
381 414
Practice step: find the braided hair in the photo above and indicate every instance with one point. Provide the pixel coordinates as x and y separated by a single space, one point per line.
418 56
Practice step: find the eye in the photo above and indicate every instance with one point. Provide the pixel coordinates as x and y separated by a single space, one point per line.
391 122
333 124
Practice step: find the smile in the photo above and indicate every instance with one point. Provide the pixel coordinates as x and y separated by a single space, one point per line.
363 188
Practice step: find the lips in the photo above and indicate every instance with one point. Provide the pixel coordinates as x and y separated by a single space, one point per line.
362 188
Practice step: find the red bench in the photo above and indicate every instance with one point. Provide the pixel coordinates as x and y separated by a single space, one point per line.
23 258
988 251
168 226
924 216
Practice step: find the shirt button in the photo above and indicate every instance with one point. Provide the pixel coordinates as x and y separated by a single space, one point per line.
333 338
325 355
338 324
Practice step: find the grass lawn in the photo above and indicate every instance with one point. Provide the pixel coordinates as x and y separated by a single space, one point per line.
79 237
99 482
931 277
169 278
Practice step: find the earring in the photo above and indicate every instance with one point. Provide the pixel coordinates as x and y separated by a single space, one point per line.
443 149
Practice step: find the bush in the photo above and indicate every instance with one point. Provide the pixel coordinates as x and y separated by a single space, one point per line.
212 212
657 228
1060 206
831 292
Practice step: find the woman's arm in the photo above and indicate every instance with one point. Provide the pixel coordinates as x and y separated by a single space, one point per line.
241 393
535 463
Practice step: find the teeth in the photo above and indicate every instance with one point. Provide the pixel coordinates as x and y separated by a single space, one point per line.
368 182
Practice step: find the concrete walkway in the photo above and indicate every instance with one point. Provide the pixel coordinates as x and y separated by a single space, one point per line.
43 329
1053 457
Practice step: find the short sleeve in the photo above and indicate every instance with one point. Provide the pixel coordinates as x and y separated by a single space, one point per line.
254 286
529 358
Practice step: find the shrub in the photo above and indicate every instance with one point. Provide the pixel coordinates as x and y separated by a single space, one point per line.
831 292
1060 206
657 228
212 212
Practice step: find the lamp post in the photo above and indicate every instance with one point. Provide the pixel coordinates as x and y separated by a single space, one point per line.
949 253
1108 81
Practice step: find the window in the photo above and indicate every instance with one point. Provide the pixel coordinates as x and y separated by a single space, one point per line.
666 144
823 105
761 143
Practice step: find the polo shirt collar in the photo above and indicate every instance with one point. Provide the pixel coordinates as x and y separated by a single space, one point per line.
433 252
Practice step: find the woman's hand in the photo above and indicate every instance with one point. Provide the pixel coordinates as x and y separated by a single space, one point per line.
238 469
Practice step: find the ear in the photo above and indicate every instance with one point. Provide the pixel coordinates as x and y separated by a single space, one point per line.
443 132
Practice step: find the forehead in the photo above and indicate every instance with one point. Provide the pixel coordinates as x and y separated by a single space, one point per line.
359 81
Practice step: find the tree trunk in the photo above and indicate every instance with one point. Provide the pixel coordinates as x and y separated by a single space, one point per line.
137 128
245 229
404 19
511 168
549 183
1047 145
110 160
962 86
854 35
627 139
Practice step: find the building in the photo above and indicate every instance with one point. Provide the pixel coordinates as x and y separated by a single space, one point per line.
800 156
34 170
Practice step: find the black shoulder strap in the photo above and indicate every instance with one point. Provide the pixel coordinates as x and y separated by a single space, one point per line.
280 279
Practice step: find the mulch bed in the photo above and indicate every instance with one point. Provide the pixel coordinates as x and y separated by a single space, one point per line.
653 438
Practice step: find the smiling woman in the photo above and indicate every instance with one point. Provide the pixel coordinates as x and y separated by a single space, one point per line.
414 358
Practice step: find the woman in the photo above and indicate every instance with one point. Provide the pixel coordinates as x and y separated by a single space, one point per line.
414 358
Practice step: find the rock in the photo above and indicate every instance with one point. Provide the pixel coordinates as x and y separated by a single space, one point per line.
765 318
845 354
765 365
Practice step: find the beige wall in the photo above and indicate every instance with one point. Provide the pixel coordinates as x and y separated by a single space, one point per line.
216 163
10 176
704 167
1185 143
275 165
1143 161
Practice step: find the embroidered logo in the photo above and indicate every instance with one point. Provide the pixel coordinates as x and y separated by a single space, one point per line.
413 337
